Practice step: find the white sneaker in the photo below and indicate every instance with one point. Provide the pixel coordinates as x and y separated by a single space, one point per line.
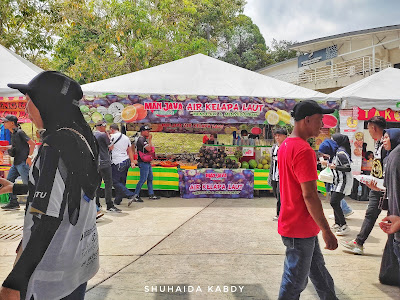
275 218
343 230
335 227
353 246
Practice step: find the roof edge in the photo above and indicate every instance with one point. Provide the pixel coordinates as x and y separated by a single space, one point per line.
350 33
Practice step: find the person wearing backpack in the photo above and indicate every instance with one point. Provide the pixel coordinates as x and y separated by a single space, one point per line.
145 151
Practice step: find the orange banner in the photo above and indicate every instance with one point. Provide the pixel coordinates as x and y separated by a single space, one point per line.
388 114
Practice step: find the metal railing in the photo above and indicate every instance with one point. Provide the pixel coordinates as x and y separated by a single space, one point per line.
357 66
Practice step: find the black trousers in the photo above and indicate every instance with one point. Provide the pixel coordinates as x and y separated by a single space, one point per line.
371 215
277 194
337 210
106 175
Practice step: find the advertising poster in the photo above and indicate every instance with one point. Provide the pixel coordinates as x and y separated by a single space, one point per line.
185 109
14 106
388 114
211 183
354 129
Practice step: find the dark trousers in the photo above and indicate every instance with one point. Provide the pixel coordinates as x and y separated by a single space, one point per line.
119 173
277 194
337 210
371 215
106 175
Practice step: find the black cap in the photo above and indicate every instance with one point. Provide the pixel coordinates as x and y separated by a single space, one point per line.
101 123
10 118
51 84
308 108
144 128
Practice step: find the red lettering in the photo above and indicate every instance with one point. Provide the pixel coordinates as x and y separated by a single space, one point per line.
153 105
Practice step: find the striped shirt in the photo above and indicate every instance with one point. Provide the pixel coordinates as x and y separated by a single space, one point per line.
72 257
274 172
342 181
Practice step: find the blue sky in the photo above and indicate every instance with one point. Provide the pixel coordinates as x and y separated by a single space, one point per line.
303 20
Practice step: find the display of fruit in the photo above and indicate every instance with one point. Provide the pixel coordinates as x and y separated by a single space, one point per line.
253 164
215 158
245 165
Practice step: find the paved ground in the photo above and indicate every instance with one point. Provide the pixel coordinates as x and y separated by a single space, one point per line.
199 247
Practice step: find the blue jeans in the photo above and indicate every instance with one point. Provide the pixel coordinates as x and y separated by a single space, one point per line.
345 207
146 174
119 173
22 170
304 259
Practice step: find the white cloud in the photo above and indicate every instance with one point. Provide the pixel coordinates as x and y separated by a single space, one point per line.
302 20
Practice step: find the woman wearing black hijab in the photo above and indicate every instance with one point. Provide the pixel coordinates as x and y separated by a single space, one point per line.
342 181
60 241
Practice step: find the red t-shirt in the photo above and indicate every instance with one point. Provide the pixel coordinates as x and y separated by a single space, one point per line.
297 163
205 139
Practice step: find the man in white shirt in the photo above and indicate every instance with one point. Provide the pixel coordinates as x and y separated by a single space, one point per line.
121 159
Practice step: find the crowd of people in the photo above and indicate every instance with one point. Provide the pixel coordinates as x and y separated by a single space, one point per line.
300 204
62 183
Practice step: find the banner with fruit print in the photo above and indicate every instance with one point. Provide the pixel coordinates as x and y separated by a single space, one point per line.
211 183
156 109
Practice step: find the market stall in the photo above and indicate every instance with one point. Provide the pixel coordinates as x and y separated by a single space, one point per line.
200 94
375 95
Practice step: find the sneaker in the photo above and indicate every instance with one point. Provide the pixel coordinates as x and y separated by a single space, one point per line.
11 206
99 214
343 230
335 227
114 210
353 246
154 197
275 218
348 214
134 198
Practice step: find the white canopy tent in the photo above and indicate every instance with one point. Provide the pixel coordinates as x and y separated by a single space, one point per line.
199 75
380 90
14 69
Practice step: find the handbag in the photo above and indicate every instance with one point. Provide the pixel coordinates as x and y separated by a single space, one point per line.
389 272
326 175
149 156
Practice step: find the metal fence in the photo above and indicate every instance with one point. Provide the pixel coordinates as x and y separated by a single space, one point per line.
358 66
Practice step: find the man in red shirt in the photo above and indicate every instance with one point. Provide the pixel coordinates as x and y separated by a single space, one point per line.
301 216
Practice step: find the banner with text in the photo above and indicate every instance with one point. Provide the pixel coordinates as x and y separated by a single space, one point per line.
14 106
216 183
354 129
388 114
182 109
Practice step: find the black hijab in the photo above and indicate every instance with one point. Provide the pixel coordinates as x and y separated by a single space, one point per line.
57 98
394 135
342 141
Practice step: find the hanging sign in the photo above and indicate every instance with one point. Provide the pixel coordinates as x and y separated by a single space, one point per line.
185 109
388 114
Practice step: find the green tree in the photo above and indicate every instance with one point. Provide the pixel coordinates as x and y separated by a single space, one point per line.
26 27
243 45
280 50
